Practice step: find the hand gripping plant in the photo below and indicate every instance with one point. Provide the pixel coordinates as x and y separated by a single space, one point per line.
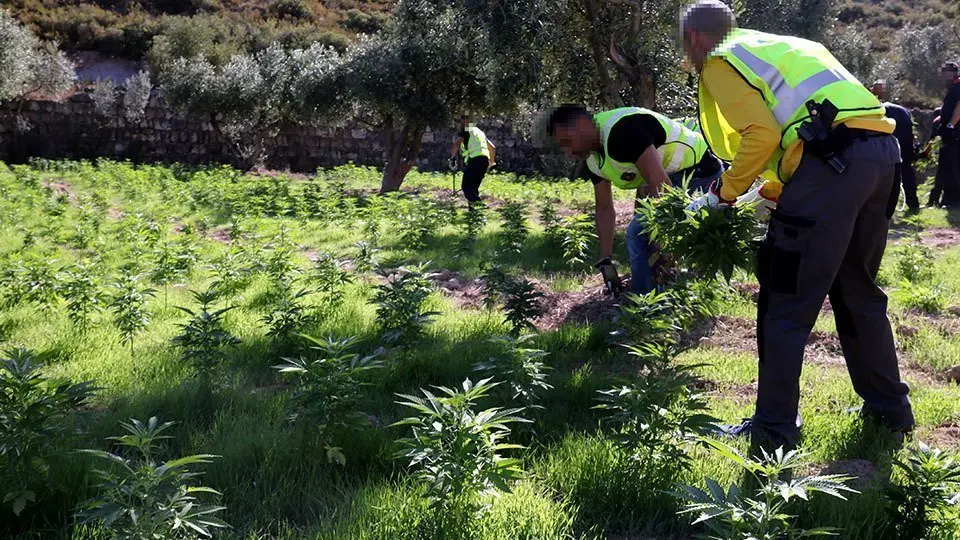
329 383
737 515
142 498
457 451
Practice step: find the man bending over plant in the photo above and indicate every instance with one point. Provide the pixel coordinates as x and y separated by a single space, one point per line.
632 148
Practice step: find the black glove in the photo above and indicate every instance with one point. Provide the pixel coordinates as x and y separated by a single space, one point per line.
452 163
611 279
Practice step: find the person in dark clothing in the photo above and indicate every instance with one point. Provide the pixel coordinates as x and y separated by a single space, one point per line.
946 188
904 135
479 156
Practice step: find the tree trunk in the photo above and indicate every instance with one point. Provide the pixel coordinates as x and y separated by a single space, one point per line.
403 145
609 96
643 88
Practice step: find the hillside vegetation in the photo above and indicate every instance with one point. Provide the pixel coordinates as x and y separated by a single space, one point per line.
881 18
127 27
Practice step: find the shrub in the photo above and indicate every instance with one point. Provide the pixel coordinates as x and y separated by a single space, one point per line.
136 95
400 303
457 451
930 300
737 514
521 302
203 338
32 412
915 262
294 9
923 503
521 369
28 66
331 279
365 23
140 497
328 393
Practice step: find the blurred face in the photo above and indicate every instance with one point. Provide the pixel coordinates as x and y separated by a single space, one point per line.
697 47
948 76
578 138
879 90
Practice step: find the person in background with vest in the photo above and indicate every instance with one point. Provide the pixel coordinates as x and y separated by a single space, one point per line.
946 186
478 153
829 232
636 149
904 135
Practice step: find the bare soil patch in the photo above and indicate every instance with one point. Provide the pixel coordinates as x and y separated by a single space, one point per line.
467 293
864 472
588 306
944 436
115 213
940 237
739 335
220 234
62 188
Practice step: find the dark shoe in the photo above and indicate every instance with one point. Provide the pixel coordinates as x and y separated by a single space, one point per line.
912 210
902 426
743 429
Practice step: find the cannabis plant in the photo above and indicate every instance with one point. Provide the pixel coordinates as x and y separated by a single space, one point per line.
230 274
289 315
472 222
923 502
81 290
203 338
400 306
577 236
140 497
329 383
515 229
733 514
656 417
650 318
552 224
915 261
331 279
458 451
33 409
363 262
129 305
521 304
40 283
520 367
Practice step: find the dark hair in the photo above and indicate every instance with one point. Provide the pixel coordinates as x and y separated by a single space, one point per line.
564 115
950 66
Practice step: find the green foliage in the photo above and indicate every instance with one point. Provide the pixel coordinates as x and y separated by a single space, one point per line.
923 503
578 236
515 230
521 304
27 65
129 305
33 409
141 498
921 297
230 273
656 417
735 514
329 382
79 287
458 452
551 222
331 279
288 316
521 369
295 9
400 306
472 221
915 262
203 338
711 241
363 261
650 318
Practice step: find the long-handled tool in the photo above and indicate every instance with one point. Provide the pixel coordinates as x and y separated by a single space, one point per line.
452 164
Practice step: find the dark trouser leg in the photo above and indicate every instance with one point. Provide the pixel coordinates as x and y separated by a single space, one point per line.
950 169
473 173
909 181
816 231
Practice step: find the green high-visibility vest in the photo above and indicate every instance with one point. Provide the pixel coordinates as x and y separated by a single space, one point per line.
683 148
476 144
788 72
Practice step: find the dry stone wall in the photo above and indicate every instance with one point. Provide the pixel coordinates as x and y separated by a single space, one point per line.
72 128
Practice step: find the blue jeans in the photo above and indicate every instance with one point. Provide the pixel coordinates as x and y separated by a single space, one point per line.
639 249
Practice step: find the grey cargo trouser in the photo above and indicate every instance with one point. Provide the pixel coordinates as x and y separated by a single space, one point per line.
828 236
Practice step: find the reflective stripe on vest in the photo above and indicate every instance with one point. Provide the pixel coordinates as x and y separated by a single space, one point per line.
788 72
683 148
476 145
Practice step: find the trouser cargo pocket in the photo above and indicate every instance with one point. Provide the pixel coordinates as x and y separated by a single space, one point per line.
781 252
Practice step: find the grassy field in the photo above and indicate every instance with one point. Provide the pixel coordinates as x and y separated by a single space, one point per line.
281 478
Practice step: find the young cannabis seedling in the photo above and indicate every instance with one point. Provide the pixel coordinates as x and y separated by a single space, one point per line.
734 514
32 412
472 222
515 230
363 262
520 367
40 283
140 497
331 279
915 261
552 224
578 236
289 316
521 303
400 303
329 384
657 417
230 274
129 305
457 451
924 502
82 293
203 338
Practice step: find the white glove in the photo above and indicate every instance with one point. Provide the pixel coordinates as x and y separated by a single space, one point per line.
755 196
710 199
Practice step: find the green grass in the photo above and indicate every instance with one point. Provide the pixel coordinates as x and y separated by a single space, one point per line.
274 475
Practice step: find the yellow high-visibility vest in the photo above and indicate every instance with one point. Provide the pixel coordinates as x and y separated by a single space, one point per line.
476 144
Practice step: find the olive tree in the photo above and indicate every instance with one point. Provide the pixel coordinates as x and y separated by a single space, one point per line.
28 65
250 97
